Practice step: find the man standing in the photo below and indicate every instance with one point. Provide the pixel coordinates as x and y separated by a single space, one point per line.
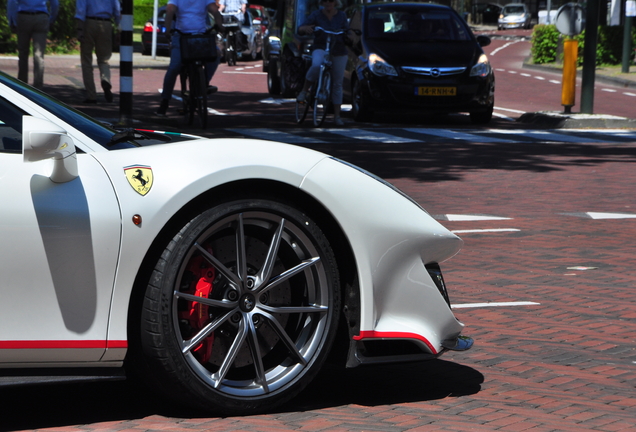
192 19
31 20
237 7
95 32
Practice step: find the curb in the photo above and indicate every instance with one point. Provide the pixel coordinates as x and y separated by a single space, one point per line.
556 120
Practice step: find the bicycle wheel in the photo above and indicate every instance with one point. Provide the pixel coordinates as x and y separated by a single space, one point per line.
302 109
201 99
322 98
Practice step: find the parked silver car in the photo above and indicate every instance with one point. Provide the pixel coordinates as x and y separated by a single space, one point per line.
514 15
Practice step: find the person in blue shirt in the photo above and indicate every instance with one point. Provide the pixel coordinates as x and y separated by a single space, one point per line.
31 20
95 32
329 18
193 15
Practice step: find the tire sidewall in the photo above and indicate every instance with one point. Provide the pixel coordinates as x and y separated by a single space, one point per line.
182 380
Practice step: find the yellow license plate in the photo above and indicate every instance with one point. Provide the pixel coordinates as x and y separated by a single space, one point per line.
435 91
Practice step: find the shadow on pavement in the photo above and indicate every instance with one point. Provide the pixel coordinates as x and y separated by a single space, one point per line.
47 406
444 161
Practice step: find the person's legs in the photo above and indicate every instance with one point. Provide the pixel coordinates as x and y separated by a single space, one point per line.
172 73
210 70
24 46
40 30
317 57
86 56
103 52
337 76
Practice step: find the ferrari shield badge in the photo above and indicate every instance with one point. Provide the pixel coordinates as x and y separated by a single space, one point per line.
140 178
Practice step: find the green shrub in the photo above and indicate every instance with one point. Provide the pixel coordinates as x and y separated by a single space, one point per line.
545 41
63 32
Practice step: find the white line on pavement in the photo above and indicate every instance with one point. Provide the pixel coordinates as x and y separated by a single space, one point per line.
498 304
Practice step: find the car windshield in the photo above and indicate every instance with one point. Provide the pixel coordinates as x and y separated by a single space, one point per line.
98 132
513 10
414 25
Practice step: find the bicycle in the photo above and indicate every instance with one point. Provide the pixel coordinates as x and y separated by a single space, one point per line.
196 50
320 95
232 27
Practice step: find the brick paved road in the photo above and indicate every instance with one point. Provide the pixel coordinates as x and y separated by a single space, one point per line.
566 364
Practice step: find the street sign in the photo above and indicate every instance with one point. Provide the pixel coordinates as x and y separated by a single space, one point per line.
570 19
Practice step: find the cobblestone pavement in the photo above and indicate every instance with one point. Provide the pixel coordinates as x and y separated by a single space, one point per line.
565 363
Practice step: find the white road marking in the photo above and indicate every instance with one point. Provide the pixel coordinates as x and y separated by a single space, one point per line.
609 90
458 217
495 51
245 73
274 135
369 135
629 94
599 215
494 304
455 135
485 230
539 78
555 82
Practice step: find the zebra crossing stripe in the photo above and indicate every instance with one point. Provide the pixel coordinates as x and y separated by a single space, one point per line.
458 217
275 135
455 135
598 215
368 135
546 136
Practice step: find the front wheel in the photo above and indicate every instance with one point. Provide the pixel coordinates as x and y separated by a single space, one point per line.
481 117
322 99
273 80
360 105
241 309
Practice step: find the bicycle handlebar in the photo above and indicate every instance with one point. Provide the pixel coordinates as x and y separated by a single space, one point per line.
318 28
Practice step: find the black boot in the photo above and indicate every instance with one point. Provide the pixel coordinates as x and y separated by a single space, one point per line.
163 108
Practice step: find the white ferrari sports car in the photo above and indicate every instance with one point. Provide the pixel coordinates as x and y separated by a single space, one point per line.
224 271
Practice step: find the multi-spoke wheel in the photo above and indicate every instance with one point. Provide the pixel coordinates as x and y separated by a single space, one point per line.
242 308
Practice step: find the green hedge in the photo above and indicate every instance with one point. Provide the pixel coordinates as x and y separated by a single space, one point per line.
546 41
63 33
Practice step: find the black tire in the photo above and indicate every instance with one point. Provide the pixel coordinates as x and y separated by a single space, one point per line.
481 117
273 79
201 99
268 321
360 103
285 90
322 99
301 111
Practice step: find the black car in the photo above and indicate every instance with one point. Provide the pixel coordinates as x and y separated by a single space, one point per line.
417 57
163 36
486 13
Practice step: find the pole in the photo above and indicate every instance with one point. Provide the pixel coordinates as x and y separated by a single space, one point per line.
589 57
570 53
627 44
125 64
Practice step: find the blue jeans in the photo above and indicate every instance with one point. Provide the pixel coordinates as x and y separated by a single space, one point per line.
174 68
338 65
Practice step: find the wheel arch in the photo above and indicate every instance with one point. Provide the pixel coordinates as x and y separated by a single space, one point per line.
262 189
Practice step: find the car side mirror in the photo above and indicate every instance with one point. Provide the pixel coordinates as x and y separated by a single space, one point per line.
483 40
42 140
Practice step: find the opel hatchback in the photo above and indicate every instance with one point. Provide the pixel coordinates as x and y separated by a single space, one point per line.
417 57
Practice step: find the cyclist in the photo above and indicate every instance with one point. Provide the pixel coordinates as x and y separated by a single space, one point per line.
329 18
192 19
236 8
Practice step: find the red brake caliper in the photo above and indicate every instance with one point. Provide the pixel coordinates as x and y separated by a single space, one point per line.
197 314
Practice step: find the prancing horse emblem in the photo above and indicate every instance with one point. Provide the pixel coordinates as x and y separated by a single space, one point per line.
140 178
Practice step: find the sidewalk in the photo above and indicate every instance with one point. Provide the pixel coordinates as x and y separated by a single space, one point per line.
607 74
